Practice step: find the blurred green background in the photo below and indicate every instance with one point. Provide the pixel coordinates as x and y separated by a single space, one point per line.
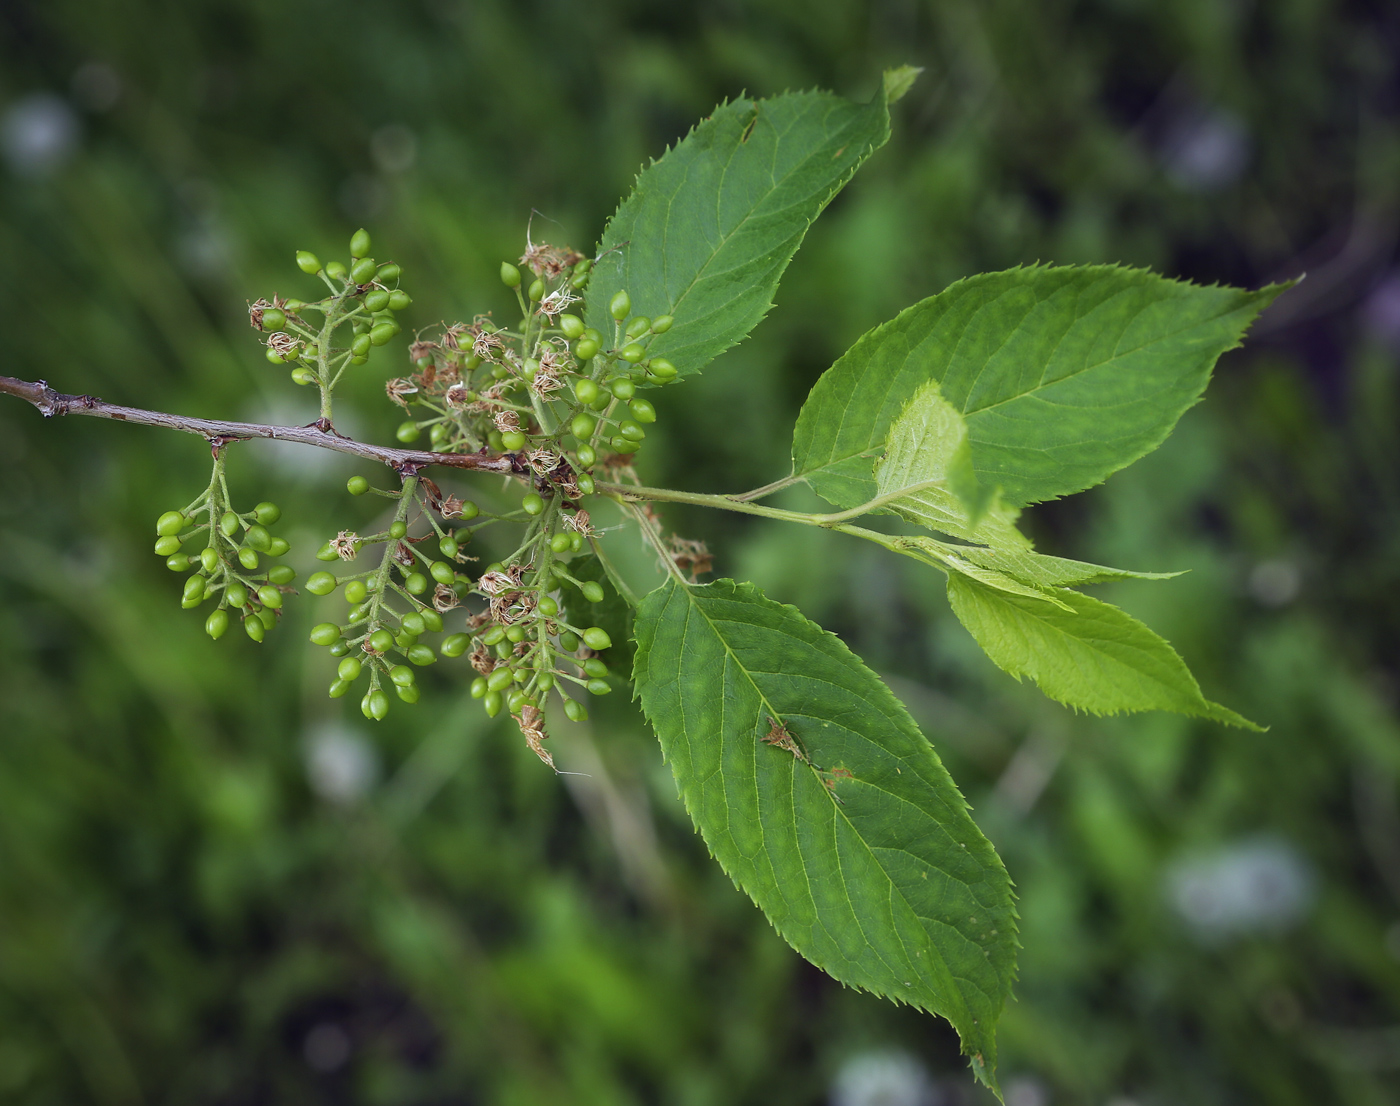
219 886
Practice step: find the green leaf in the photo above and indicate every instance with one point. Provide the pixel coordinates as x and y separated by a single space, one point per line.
926 475
1063 374
709 228
1043 571
1093 656
846 829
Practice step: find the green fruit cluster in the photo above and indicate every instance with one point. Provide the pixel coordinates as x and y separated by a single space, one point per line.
230 568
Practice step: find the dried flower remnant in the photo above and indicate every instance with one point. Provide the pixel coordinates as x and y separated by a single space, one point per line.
346 544
531 723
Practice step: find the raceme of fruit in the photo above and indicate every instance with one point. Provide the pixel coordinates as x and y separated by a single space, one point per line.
810 782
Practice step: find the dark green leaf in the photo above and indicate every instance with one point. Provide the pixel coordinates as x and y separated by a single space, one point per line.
709 228
820 797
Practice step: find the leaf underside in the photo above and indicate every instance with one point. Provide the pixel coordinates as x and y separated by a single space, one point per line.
817 793
709 228
1064 375
1084 652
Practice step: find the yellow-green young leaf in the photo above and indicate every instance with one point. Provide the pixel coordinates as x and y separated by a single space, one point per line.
816 791
1064 375
1093 656
950 559
926 475
709 228
1041 571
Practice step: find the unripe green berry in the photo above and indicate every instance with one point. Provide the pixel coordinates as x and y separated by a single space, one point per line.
397 529
442 572
493 439
268 617
515 700
595 668
638 326
321 583
258 538
620 306
568 641
282 574
623 388
273 319
470 510
661 324
267 513
559 543
493 702
278 547
599 687
536 290
493 635
335 270
216 624
586 349
547 607
421 655
270 597
275 357
447 546
586 456
339 687
358 613
363 271
586 390
177 562
532 503
571 325
404 639
515 633
254 628
236 594
355 592
403 675
513 440
583 425
377 300
415 583
399 299
478 687
359 243
642 410
624 445
500 678
375 705
323 633
412 623
381 333
326 553
662 369
407 694
629 429
228 524
381 641
431 619
592 591
307 263
169 524
632 352
357 485
166 546
349 668
339 649
576 711
596 638
194 589
576 540
510 275
407 432
303 376
455 645
388 273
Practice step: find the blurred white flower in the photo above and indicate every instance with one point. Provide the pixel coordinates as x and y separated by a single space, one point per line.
1203 151
883 1079
341 765
38 133
1250 886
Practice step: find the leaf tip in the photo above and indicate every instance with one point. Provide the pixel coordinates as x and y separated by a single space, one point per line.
900 80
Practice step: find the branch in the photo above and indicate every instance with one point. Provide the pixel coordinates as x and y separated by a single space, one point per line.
320 433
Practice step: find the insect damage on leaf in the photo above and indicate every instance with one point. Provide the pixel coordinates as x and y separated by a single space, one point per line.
781 737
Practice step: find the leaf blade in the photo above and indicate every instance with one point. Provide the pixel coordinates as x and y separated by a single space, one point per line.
1064 375
910 901
1093 657
709 228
